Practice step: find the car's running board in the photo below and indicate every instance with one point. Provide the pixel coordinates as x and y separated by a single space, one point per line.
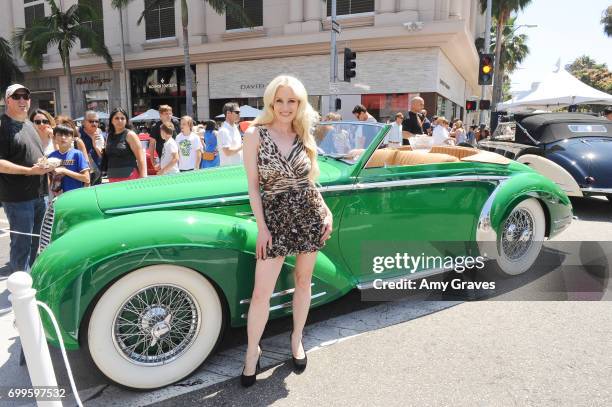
287 304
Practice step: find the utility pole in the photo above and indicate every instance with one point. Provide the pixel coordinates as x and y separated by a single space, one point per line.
124 101
333 58
487 45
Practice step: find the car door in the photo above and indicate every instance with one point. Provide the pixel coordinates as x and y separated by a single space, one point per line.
413 209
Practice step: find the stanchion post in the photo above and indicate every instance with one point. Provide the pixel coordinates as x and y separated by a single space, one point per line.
33 341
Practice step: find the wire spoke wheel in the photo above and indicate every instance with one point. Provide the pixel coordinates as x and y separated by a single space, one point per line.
156 325
517 235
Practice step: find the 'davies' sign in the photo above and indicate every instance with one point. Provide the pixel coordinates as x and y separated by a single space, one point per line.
92 80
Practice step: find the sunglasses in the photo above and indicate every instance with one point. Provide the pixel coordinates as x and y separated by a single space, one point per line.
94 121
18 96
41 121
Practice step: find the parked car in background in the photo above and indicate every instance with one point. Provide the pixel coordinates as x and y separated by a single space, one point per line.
174 258
144 142
572 149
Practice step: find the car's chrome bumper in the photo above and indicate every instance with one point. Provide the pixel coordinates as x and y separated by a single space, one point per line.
596 190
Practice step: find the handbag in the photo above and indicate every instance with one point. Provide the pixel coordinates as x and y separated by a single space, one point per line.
209 155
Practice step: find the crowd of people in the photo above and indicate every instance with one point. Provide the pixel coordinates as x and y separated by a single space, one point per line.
42 156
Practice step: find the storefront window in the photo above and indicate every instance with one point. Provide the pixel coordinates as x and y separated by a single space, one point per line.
96 100
163 86
43 100
384 106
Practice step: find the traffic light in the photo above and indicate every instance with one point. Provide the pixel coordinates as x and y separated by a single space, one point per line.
470 105
338 104
349 64
484 104
485 69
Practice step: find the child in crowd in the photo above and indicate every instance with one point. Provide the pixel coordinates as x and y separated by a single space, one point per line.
73 171
170 156
190 147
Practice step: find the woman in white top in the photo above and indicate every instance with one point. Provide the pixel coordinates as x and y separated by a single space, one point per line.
458 132
190 146
44 124
440 134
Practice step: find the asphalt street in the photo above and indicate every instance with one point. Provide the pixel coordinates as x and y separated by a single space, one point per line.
410 352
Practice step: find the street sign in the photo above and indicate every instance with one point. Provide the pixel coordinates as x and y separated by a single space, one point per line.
336 27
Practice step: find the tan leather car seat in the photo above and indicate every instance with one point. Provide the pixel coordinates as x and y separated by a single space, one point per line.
416 158
455 151
382 157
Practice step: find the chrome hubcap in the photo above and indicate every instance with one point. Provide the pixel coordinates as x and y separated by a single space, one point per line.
517 236
156 325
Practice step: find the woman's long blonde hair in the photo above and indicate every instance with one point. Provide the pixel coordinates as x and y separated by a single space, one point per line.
303 122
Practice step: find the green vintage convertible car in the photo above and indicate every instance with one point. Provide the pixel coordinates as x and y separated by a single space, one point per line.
146 274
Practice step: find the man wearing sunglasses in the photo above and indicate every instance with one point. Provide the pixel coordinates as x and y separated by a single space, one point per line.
230 141
94 143
23 184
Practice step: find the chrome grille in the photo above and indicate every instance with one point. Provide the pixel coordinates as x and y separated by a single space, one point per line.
46 228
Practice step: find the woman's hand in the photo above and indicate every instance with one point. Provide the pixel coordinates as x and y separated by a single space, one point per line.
327 226
264 240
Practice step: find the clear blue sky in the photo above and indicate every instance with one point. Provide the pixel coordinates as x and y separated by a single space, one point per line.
566 29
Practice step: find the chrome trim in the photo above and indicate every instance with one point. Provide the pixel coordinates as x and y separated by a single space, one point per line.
527 134
287 304
486 237
596 190
46 228
274 295
410 276
322 189
430 181
207 201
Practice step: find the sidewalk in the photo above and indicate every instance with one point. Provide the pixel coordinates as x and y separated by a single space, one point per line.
474 354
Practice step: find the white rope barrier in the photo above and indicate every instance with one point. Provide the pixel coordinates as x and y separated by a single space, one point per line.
33 340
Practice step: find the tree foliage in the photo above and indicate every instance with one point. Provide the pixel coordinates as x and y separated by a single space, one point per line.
590 72
9 71
606 21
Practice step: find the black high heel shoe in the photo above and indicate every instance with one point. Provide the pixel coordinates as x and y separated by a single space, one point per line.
299 365
249 380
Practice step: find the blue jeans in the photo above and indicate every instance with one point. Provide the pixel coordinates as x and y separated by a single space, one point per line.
24 217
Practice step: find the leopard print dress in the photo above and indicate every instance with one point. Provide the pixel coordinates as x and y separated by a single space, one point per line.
293 207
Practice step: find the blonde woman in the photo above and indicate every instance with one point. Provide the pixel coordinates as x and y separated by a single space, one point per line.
458 132
280 157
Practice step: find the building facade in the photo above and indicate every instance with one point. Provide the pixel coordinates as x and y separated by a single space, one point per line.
404 48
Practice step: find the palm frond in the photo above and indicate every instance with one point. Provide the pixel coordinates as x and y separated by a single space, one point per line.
93 39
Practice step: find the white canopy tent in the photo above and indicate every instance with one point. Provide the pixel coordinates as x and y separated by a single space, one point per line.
246 111
558 89
101 116
149 115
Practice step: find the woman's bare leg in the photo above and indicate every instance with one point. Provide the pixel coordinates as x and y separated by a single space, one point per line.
266 274
304 265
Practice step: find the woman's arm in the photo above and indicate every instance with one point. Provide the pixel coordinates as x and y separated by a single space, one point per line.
134 143
251 147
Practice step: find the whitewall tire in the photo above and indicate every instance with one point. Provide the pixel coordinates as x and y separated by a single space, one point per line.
520 237
154 326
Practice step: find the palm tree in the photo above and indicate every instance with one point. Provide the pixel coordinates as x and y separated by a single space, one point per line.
9 72
61 29
606 20
119 5
502 10
220 6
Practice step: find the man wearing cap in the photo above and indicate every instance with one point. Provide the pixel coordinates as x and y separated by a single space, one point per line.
23 184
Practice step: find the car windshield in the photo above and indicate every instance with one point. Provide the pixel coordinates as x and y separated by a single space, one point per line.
505 131
345 141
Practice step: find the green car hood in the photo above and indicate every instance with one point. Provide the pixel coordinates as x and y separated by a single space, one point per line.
209 184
